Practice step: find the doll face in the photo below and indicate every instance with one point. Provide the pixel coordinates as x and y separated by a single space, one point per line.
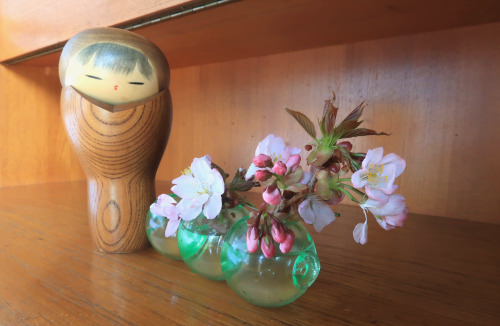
110 85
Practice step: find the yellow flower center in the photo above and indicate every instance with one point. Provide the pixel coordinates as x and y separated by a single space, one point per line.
374 174
275 157
187 171
203 189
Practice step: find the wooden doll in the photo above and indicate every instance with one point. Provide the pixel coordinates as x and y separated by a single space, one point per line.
117 110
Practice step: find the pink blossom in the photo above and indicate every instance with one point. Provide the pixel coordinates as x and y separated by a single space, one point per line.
378 173
166 206
347 145
253 235
287 245
278 232
267 245
293 162
272 195
262 161
280 168
201 188
273 147
336 198
360 233
172 226
263 175
390 214
315 211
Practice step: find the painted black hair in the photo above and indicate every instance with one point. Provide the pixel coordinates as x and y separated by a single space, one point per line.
111 56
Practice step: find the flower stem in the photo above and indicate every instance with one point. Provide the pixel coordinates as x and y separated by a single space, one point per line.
348 194
353 189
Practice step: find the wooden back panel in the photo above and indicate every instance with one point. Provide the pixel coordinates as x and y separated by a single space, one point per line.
437 93
33 145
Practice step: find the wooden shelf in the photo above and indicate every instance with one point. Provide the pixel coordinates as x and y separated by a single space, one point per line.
434 271
243 29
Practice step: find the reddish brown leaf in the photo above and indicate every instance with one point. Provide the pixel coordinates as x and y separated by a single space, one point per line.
362 132
304 121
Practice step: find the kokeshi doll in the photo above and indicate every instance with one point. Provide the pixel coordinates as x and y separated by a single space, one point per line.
117 110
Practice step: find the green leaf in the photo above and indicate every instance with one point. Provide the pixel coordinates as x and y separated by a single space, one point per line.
304 121
297 187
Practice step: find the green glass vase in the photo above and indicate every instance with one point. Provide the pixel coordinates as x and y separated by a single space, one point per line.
269 282
200 241
155 230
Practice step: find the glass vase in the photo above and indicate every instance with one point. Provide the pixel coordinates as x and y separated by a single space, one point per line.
200 241
269 282
155 230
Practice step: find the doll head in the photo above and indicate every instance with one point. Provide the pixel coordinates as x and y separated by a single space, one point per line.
113 66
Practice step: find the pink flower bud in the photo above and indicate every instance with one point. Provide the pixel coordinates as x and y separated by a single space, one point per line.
346 145
337 197
263 175
267 246
293 162
262 161
272 195
278 232
280 168
287 245
253 234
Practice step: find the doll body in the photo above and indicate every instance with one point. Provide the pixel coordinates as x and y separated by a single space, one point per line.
117 111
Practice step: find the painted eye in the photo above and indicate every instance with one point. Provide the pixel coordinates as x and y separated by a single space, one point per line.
136 83
94 77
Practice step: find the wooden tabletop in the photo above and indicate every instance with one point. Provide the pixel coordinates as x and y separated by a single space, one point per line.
433 271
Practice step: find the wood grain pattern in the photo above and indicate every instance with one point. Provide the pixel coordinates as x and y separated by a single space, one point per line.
120 153
33 145
249 28
433 271
436 93
32 24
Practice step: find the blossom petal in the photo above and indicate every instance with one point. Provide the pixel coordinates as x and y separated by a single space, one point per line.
201 170
397 220
395 160
324 215
306 177
373 156
212 207
395 205
316 212
185 186
217 184
172 227
383 223
189 209
386 182
251 171
357 179
360 233
305 211
276 148
165 199
263 146
377 195
156 209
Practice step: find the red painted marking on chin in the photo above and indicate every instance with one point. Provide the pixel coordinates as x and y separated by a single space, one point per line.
116 87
